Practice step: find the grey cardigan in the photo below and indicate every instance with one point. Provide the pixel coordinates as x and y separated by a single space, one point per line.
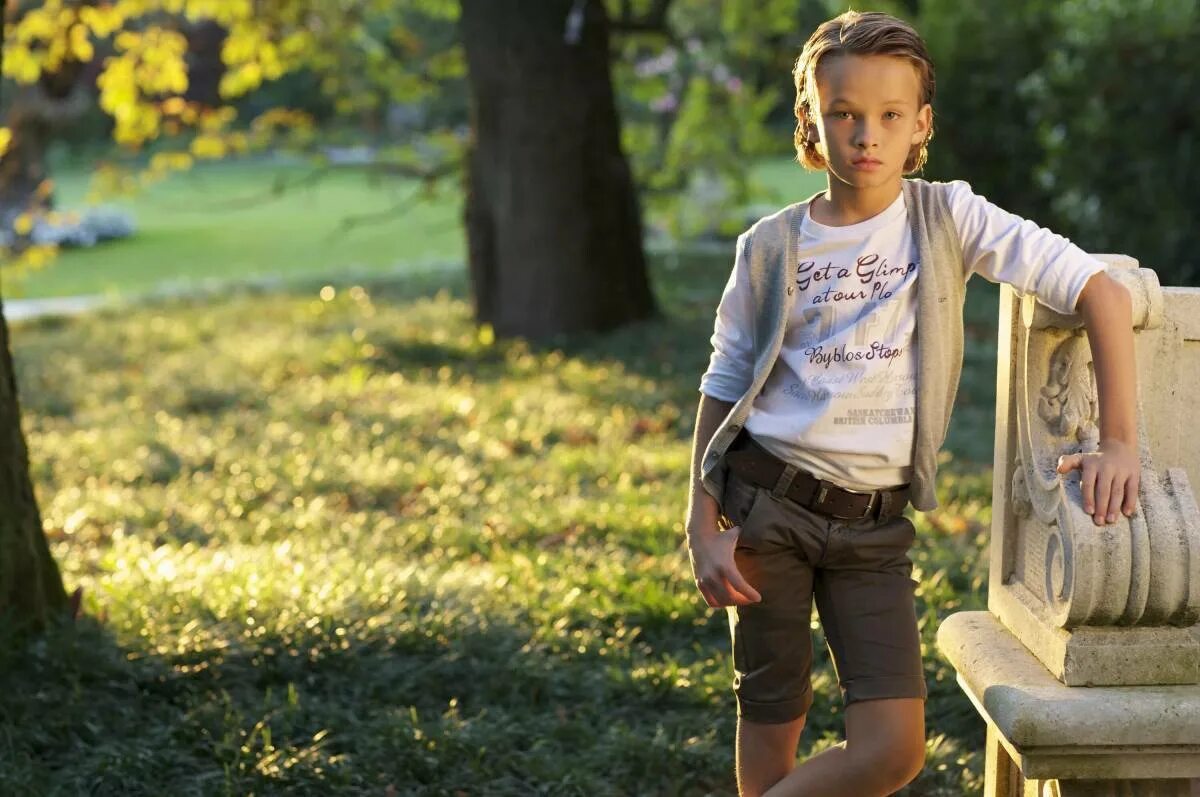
772 255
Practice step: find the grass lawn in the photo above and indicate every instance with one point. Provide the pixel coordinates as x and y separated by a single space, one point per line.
350 547
225 221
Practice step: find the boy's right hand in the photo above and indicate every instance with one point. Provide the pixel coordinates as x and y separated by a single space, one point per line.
717 576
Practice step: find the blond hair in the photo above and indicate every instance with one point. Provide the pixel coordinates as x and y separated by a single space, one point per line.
855 33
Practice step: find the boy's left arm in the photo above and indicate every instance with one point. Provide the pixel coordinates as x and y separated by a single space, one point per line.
1110 476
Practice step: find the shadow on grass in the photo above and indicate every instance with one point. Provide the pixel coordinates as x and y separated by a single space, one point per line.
424 708
434 703
441 698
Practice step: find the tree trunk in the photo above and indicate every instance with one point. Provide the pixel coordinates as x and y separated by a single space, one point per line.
31 589
554 228
205 68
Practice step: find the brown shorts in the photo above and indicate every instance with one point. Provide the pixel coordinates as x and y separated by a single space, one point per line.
859 573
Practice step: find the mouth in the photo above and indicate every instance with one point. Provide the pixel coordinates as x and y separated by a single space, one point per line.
865 163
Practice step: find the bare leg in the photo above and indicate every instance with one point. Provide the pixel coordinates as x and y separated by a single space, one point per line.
884 749
765 754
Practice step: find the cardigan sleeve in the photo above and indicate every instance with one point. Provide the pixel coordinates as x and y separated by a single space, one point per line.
1003 247
731 365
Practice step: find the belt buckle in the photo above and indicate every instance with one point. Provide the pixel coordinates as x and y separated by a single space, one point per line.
876 500
872 503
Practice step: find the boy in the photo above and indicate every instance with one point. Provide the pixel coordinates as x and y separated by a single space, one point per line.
837 350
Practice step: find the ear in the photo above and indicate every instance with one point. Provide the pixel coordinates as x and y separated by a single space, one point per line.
814 134
924 124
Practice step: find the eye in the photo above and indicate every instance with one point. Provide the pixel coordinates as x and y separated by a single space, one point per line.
892 115
842 114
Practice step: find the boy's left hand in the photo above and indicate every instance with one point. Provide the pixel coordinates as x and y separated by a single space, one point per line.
1109 479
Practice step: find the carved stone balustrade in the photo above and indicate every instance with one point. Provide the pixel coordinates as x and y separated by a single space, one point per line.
1086 666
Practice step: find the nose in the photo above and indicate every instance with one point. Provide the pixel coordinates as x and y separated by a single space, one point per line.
866 134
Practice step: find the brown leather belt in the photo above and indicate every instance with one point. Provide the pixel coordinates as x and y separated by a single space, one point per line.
758 466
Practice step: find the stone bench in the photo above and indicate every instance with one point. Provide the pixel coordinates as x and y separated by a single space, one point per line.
1086 666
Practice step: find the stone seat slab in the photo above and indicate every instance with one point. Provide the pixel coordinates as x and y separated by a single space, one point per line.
1060 731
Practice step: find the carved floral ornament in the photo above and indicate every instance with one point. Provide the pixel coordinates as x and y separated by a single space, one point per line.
1132 572
1068 400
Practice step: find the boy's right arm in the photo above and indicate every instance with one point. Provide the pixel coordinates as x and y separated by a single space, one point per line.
709 548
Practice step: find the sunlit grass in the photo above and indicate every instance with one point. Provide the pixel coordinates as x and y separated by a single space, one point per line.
351 545
226 221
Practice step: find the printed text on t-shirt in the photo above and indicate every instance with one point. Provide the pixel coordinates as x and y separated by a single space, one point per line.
870 269
878 351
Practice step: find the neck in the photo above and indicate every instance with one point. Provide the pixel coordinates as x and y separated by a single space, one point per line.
843 204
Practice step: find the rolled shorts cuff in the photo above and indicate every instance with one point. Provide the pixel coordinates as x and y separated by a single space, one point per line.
885 687
776 712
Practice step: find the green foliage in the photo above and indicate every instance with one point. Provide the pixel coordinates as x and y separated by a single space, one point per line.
1080 115
696 106
982 125
1117 123
342 539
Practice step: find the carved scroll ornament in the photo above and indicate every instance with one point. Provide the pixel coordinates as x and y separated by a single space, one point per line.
1137 571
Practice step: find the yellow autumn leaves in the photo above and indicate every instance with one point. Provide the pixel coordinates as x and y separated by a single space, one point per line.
144 73
47 37
253 54
146 64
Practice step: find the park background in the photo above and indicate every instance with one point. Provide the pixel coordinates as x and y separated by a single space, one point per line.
359 507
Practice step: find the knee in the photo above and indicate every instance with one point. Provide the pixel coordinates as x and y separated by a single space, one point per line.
899 764
886 738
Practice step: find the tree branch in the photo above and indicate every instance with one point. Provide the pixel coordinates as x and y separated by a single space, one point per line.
427 177
283 183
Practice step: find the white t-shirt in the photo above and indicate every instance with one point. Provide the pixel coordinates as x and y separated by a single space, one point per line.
840 400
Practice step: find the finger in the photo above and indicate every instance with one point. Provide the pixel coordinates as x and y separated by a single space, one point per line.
1115 499
736 598
706 591
1103 489
1131 495
718 591
740 586
1087 486
1069 462
739 589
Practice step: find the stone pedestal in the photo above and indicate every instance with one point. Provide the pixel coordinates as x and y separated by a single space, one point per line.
1086 666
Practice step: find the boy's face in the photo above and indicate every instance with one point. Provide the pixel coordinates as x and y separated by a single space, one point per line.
868 117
